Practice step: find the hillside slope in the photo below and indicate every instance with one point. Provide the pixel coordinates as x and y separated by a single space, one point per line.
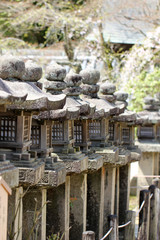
42 22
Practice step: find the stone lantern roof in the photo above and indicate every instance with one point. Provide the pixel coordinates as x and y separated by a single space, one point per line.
127 116
151 113
148 121
18 86
69 85
9 97
146 117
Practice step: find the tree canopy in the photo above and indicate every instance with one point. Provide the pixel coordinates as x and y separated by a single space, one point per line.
140 74
41 22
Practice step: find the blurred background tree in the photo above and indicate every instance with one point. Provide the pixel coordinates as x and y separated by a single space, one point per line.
42 22
140 74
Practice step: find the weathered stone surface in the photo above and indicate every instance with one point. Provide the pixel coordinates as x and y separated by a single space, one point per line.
55 176
91 95
56 85
33 72
121 103
95 162
135 156
149 100
55 72
76 166
94 199
148 146
148 117
75 162
97 114
59 113
87 89
72 91
151 104
124 158
110 155
9 173
73 79
11 67
72 113
126 116
78 202
109 98
71 110
39 85
106 107
151 107
31 175
9 96
90 76
33 96
56 207
121 96
107 88
29 200
81 106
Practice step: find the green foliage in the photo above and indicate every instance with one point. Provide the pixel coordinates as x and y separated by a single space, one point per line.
78 2
42 21
13 43
140 74
146 83
55 237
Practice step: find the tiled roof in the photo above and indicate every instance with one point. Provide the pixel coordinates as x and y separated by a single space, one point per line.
129 21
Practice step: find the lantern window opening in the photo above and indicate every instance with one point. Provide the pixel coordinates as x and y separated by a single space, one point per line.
26 128
57 131
146 132
126 135
49 138
35 136
8 127
95 128
78 131
111 131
